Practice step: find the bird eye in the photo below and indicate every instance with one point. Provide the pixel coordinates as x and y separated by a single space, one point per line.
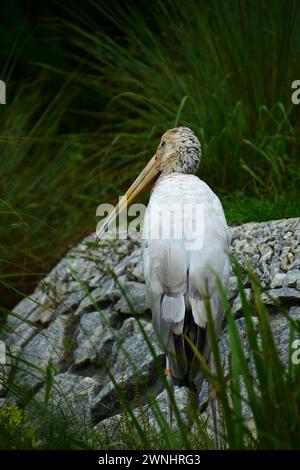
163 143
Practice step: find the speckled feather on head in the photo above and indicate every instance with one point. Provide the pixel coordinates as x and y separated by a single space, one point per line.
179 151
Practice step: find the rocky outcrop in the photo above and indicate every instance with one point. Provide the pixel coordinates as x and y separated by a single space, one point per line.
85 323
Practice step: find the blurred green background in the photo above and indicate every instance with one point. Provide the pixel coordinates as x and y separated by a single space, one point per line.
91 87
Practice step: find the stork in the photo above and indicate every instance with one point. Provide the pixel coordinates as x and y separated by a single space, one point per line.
185 245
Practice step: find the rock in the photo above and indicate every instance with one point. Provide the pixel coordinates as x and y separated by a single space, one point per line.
281 334
91 331
132 350
70 396
237 304
135 270
78 320
277 280
283 294
106 294
232 287
292 279
116 425
45 347
267 249
22 323
136 298
70 303
134 369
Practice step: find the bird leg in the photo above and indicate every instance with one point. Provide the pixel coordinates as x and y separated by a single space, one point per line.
170 381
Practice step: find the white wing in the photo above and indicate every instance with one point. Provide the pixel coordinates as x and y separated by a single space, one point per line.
186 240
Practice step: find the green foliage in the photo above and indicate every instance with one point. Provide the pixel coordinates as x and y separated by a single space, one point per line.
43 194
223 69
257 394
16 431
271 388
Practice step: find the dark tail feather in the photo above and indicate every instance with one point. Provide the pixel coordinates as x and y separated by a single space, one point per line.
193 377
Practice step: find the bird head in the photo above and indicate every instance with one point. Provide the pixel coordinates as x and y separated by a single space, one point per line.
179 151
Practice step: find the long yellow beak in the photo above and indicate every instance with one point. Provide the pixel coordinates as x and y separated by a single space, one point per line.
144 181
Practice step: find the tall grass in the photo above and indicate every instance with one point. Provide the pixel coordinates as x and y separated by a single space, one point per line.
224 68
258 396
43 194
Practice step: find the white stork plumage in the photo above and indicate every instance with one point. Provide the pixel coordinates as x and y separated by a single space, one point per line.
179 267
